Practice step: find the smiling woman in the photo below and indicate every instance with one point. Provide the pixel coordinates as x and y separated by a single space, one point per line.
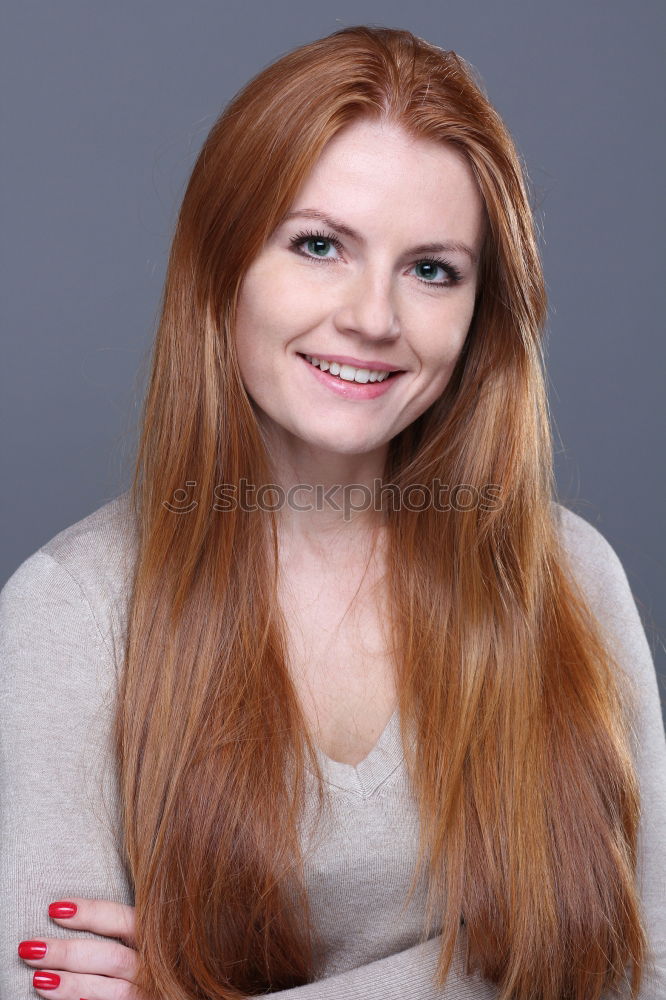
359 287
407 747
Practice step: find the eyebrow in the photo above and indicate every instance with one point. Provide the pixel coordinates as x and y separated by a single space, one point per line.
423 248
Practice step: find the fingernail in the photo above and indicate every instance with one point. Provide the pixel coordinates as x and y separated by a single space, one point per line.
45 980
32 949
62 909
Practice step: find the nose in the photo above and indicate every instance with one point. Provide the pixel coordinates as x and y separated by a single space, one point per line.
368 309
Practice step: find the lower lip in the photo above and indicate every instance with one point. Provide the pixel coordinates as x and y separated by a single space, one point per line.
352 390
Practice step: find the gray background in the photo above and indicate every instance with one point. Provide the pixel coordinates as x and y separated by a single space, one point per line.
104 109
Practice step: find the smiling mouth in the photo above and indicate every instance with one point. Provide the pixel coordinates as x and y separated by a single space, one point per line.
385 376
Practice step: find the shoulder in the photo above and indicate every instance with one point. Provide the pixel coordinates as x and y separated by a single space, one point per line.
76 583
593 560
596 567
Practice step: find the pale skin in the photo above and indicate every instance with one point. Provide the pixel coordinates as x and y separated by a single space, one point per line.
370 298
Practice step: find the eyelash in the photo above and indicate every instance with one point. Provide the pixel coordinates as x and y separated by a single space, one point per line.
302 237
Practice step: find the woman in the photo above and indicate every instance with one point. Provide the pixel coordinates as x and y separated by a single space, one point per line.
338 701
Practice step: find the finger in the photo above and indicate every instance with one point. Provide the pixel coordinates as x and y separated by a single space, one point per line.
71 986
102 958
102 916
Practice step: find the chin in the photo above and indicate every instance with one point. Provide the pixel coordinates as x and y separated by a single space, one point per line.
338 447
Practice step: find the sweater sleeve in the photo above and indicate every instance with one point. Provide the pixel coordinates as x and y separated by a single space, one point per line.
407 975
57 835
597 567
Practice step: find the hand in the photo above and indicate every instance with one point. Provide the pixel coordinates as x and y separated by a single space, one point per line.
84 968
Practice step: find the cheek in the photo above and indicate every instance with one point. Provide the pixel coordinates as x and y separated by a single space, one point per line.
442 347
249 333
273 308
257 320
270 313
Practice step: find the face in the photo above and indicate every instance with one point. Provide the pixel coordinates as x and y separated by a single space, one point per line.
362 286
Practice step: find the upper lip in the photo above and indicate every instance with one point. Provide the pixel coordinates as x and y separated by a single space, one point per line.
376 366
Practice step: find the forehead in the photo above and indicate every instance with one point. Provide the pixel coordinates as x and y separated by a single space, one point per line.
375 171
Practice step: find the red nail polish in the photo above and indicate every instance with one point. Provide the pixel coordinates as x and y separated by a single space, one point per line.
32 949
45 980
63 909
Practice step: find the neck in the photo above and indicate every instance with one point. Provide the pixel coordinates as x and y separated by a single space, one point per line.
328 502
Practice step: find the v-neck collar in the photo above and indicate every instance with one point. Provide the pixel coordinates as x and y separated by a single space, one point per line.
364 778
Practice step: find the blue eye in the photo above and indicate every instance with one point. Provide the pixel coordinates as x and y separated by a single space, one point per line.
303 237
317 239
453 272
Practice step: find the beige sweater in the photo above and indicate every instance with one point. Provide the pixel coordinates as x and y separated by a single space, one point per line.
62 622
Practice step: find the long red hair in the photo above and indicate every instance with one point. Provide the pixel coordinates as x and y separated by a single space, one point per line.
522 767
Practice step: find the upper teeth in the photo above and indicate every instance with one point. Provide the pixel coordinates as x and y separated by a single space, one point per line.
347 372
